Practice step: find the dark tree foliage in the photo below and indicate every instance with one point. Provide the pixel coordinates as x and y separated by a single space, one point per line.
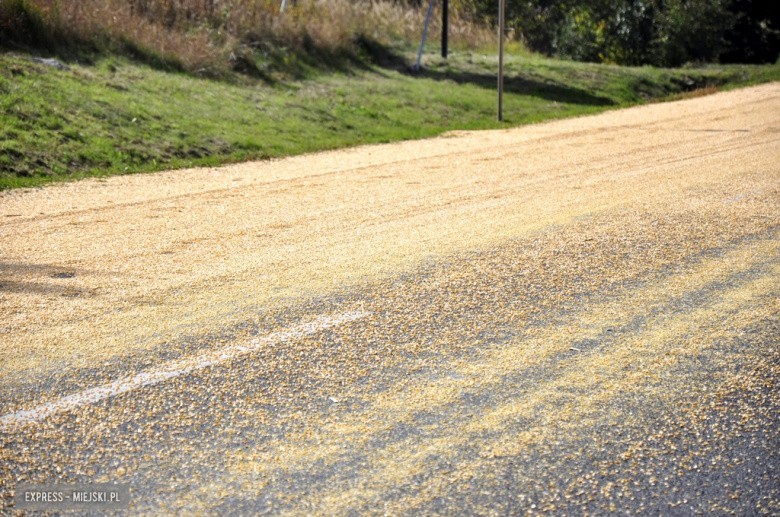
636 32
755 35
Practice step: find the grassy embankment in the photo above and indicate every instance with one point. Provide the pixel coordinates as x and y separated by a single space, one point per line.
111 114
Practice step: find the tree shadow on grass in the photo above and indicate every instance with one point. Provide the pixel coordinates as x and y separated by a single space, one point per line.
385 57
517 84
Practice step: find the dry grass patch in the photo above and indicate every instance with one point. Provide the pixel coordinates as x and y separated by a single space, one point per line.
217 36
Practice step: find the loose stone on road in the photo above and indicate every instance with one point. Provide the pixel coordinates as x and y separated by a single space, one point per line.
576 316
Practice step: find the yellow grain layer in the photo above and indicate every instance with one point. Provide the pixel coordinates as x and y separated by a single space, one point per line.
162 255
663 342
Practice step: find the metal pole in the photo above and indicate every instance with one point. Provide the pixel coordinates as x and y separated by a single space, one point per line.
445 22
501 23
424 34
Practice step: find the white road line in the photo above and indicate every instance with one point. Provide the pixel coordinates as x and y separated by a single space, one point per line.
14 421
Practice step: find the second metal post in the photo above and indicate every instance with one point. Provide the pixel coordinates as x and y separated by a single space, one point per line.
501 23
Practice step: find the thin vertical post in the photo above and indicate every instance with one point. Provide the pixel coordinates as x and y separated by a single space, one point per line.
445 24
424 35
501 23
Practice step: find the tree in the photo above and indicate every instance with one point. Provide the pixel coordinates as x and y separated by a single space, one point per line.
636 32
755 35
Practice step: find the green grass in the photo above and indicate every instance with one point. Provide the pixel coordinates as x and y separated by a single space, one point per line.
116 116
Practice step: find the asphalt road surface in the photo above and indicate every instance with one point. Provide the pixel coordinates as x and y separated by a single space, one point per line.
572 317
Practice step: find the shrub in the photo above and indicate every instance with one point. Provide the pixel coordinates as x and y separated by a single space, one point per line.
635 32
22 21
691 30
214 36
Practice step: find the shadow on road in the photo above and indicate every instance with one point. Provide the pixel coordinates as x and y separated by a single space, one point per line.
28 278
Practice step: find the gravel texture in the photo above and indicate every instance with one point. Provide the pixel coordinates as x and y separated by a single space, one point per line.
572 317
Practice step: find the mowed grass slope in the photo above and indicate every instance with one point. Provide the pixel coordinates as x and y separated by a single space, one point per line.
115 116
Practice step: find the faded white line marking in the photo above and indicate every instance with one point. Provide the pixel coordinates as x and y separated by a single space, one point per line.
14 421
